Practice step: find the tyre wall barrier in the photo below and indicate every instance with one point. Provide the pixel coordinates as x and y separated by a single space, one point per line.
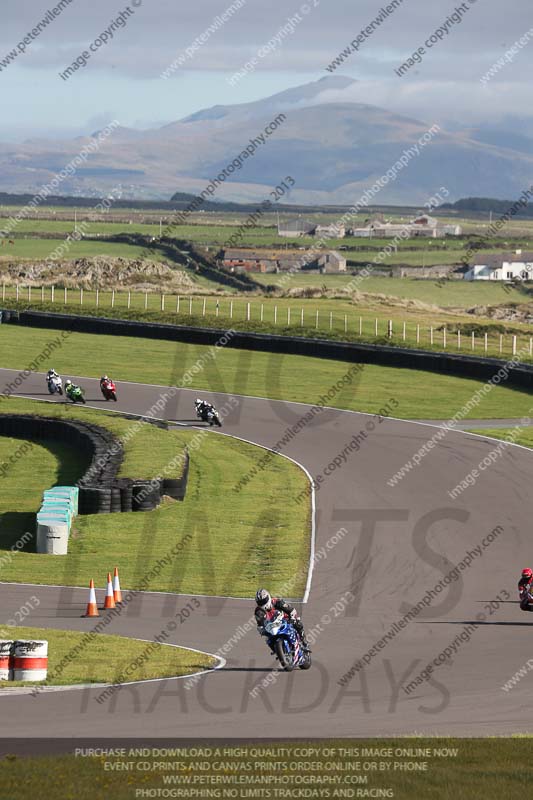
100 491
384 355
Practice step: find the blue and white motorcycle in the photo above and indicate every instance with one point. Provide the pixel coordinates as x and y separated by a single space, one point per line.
285 642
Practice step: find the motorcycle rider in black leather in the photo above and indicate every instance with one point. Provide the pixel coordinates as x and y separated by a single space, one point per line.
266 608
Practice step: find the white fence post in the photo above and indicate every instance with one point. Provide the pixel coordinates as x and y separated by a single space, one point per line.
376 328
65 295
17 292
178 305
145 300
42 294
129 299
231 309
486 341
52 294
162 302
404 334
29 292
345 323
330 320
458 338
418 334
431 336
248 312
360 326
514 345
97 296
262 311
316 321
288 316
203 307
444 337
302 318
112 298
473 340
389 329
190 306
81 295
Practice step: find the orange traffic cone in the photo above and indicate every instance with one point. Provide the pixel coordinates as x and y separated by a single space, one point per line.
117 594
92 608
109 601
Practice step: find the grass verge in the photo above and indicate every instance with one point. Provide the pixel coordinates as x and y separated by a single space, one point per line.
492 769
418 394
232 542
365 320
105 657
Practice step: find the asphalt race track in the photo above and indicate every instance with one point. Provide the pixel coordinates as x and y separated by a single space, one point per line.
400 543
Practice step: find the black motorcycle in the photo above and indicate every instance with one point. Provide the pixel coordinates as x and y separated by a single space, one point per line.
209 415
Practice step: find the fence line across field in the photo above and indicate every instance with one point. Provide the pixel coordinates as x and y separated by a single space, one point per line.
433 336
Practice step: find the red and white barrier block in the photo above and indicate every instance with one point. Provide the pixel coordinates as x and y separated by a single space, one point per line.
6 659
30 660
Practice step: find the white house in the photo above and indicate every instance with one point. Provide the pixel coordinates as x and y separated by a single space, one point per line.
517 266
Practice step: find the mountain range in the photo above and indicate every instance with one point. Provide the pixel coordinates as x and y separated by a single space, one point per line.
333 151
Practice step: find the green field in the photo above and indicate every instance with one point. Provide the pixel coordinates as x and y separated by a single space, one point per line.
41 248
420 395
454 294
226 528
104 658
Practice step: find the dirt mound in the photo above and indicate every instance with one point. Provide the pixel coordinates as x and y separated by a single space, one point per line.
99 272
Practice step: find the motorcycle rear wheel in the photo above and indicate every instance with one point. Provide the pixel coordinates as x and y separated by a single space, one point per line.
285 659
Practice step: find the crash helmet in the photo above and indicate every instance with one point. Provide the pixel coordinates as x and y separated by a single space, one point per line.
527 573
68 382
263 599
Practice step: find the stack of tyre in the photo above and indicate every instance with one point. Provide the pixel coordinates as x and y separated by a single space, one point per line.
99 493
177 487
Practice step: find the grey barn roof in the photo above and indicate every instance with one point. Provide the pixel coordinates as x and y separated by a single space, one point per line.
495 260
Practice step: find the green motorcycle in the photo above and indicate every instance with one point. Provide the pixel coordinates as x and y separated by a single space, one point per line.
74 393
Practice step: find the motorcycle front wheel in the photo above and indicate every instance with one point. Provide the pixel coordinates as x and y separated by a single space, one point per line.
306 663
60 390
284 658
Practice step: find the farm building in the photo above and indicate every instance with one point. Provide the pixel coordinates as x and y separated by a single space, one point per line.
423 225
249 260
294 228
333 231
502 267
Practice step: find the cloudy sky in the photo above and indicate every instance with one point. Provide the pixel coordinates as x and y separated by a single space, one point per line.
122 79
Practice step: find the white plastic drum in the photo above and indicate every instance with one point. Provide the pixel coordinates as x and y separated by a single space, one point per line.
6 659
52 537
30 660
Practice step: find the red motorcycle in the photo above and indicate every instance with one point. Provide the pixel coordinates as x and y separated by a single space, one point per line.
109 390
